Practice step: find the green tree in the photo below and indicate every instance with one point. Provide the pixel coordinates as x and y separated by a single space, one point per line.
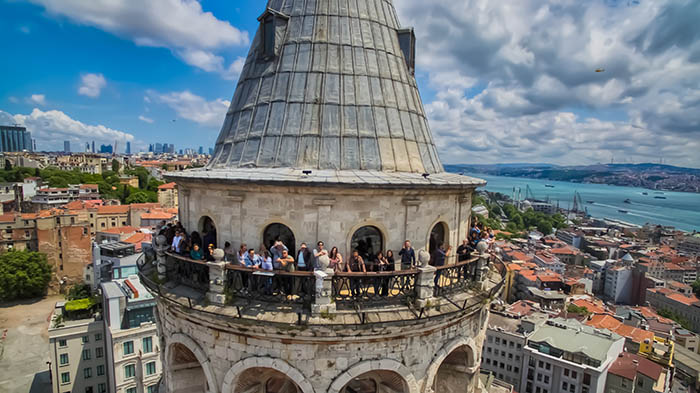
115 166
23 275
78 291
696 287
545 227
138 197
37 173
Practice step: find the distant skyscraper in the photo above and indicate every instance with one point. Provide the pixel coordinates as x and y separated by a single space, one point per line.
150 148
33 144
158 149
14 139
128 148
66 146
87 147
106 149
93 146
201 150
211 150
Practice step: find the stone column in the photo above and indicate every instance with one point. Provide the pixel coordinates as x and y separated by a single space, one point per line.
236 201
411 205
161 247
323 302
324 206
425 283
217 278
184 207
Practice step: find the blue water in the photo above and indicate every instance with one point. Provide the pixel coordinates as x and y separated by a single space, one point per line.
680 209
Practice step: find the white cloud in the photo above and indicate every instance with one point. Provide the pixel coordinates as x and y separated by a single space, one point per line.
179 25
541 99
51 128
91 85
13 99
38 99
235 69
193 107
146 119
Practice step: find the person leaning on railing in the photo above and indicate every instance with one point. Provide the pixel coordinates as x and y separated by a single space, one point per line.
356 265
408 256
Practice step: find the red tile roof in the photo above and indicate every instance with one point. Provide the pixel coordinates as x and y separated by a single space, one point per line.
156 215
121 230
606 321
590 306
167 186
627 365
681 298
117 209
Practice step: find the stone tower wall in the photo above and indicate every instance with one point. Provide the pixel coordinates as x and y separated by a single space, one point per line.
320 359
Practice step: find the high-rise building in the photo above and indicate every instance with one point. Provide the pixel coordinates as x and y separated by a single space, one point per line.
201 150
14 138
128 148
93 146
87 147
150 148
345 156
106 149
158 148
66 146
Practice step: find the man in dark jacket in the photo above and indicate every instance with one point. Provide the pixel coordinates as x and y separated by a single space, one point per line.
305 259
408 256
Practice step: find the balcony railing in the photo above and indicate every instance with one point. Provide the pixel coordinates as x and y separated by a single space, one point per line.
455 278
418 291
384 287
275 287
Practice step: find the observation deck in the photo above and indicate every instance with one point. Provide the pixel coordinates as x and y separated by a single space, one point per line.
322 298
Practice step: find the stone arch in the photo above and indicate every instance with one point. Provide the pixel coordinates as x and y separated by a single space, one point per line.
439 232
205 224
200 355
368 366
280 221
233 375
366 223
446 351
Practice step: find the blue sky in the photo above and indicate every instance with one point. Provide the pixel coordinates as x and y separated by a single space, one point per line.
500 82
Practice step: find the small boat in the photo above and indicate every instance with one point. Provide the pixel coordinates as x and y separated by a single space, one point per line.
623 211
549 186
590 202
627 201
660 197
645 193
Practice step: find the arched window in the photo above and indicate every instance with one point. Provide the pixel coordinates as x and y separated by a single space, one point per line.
368 241
186 374
274 232
207 230
437 236
456 370
376 382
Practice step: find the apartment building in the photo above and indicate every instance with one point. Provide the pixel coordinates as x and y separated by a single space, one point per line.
17 232
619 284
690 245
167 195
686 306
632 373
133 350
567 356
64 236
77 352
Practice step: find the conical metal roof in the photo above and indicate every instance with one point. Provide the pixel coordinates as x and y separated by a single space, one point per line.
328 84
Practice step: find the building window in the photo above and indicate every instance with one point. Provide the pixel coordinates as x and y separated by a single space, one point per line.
98 336
86 354
63 359
88 389
87 372
131 390
147 344
129 371
65 377
150 368
86 339
101 388
128 348
100 370
586 379
268 30
574 374
98 352
62 343
151 389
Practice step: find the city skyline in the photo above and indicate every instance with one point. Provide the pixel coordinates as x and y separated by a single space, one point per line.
505 96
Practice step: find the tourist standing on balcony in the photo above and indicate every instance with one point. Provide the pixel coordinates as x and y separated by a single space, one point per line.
382 265
408 256
242 252
266 261
196 253
251 260
440 256
319 251
356 265
284 262
336 260
391 260
304 258
175 245
229 254
276 252
463 251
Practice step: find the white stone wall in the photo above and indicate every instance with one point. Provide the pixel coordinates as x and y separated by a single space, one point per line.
317 358
242 212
